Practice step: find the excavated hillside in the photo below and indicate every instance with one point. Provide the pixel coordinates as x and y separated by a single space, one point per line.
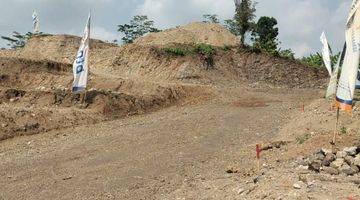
131 79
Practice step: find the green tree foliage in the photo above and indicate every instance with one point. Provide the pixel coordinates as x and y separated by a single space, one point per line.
265 35
313 60
208 18
287 53
139 26
243 20
17 40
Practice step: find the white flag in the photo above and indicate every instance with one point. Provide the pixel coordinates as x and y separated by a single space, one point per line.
358 80
35 20
346 87
80 66
326 53
331 90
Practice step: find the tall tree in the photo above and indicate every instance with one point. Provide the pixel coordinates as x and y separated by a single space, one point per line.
139 26
265 35
209 18
244 17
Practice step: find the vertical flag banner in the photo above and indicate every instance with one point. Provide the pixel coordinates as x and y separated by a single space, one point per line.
80 66
35 20
326 53
331 90
358 80
346 87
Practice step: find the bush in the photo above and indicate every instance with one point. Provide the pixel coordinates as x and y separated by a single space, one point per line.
177 51
205 49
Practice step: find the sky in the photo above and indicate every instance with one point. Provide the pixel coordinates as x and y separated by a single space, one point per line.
300 22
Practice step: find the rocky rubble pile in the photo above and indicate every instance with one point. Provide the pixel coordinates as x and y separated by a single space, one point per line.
346 161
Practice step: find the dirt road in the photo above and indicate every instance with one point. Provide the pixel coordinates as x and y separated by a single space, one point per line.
182 152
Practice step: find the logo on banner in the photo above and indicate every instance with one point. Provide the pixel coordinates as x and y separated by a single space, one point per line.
80 59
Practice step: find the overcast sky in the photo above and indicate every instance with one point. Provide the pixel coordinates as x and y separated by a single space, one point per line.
300 21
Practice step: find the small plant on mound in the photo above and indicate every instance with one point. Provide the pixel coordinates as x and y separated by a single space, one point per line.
302 139
343 130
226 48
177 51
206 51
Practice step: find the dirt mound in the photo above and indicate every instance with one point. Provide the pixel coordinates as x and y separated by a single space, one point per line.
194 33
60 48
35 97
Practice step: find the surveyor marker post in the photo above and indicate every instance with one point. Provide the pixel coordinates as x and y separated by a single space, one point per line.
258 151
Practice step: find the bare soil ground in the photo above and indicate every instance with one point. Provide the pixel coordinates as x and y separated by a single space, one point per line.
159 126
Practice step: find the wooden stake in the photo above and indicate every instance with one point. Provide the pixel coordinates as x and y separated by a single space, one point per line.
336 126
258 151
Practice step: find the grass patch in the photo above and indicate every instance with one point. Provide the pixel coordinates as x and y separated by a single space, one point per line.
205 49
177 51
343 130
302 139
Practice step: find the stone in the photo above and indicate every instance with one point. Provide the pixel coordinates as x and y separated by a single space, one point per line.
319 156
355 168
349 160
330 170
328 159
341 154
315 165
351 151
297 186
337 163
346 169
326 151
357 160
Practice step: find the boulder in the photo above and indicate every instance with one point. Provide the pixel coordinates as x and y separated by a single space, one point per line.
341 154
328 159
349 160
357 160
326 151
315 165
337 163
330 170
351 151
346 169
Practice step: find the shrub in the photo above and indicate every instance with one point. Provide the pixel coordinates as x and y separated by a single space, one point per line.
205 49
177 51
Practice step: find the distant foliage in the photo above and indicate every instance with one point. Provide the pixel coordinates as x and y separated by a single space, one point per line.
139 26
313 60
18 40
211 18
287 53
205 51
177 51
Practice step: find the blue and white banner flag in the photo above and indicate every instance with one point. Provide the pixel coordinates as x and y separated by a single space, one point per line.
35 20
326 54
358 80
331 90
349 72
81 63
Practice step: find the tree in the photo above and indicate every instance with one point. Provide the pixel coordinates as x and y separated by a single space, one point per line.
230 24
139 26
17 40
265 35
208 18
287 53
243 20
